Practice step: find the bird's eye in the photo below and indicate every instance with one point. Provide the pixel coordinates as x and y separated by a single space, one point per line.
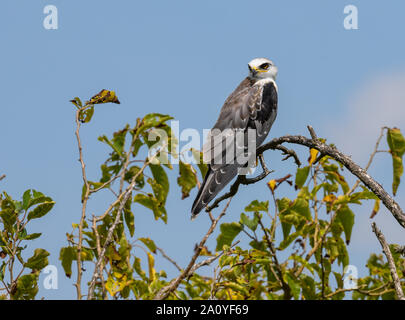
265 66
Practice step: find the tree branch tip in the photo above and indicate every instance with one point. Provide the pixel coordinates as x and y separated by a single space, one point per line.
312 132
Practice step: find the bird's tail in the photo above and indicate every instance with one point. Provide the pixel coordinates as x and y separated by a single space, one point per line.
214 182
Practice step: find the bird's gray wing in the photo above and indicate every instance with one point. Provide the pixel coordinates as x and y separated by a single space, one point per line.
239 112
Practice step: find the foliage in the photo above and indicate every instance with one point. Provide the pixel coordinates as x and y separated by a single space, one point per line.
19 276
278 248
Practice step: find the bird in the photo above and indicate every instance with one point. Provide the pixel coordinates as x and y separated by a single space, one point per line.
251 107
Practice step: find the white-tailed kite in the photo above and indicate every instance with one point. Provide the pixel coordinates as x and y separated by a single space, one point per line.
252 107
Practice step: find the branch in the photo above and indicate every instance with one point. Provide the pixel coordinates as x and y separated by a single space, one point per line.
370 160
208 261
84 205
173 285
288 154
168 258
355 169
387 252
241 180
2 177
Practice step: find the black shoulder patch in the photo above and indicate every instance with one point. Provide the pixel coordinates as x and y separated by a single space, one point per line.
268 105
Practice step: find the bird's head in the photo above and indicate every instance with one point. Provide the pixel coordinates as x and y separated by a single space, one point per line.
262 68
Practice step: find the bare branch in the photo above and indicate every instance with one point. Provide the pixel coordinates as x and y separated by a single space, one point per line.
168 258
288 154
241 180
312 133
208 261
387 252
2 177
84 206
370 160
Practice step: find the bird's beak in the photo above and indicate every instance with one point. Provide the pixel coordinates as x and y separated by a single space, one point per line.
253 70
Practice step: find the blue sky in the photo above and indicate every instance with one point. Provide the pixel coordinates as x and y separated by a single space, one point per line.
183 58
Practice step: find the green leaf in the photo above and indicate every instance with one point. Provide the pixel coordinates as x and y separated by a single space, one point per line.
301 176
138 268
9 218
2 270
376 208
187 179
288 240
77 102
255 205
294 286
41 210
131 172
32 236
228 232
115 147
301 207
308 287
283 206
396 143
86 114
198 156
150 202
137 145
27 287
38 261
250 223
104 96
160 176
118 139
32 197
130 221
343 257
153 120
149 243
346 218
66 256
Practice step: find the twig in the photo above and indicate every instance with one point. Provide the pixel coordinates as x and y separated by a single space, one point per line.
330 295
2 177
288 154
370 160
387 252
173 285
241 180
208 261
168 258
84 205
98 244
128 158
